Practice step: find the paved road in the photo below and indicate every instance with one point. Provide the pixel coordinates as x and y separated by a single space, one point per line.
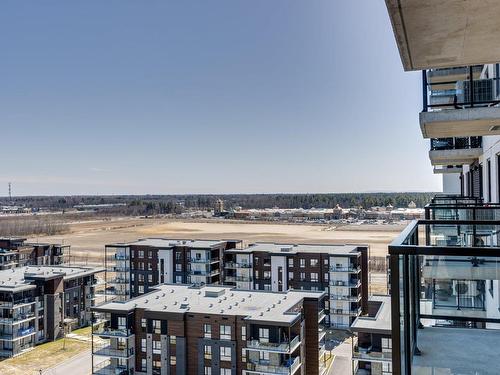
78 365
342 363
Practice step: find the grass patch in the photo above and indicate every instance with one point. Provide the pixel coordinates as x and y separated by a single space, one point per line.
43 357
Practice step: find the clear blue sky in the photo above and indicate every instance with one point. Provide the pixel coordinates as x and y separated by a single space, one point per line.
219 96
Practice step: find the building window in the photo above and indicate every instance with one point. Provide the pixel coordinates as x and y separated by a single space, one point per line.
143 345
244 333
207 331
325 261
290 275
150 278
156 365
290 262
225 371
178 279
267 286
156 326
314 262
225 353
302 263
173 360
141 289
173 340
178 255
243 354
178 267
314 277
143 323
150 253
225 332
386 368
122 322
257 274
386 343
141 254
264 356
302 276
156 347
208 352
267 275
208 370
264 334
326 276
144 365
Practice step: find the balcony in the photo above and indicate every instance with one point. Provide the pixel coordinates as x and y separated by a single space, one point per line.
235 265
341 297
104 330
347 284
109 351
238 278
321 315
120 269
472 109
264 367
455 151
440 272
462 211
204 260
371 354
349 269
18 319
106 368
321 332
121 257
284 347
348 312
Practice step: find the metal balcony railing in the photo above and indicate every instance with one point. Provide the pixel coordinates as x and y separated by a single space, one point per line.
264 366
370 353
349 269
457 143
458 94
462 211
283 347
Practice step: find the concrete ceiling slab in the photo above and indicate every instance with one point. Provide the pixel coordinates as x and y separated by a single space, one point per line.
445 33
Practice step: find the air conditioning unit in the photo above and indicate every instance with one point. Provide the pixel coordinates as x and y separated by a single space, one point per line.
469 288
483 91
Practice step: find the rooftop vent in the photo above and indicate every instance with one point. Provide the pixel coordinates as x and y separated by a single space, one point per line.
184 305
286 249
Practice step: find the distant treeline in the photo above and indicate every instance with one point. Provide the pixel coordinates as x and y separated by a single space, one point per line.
165 204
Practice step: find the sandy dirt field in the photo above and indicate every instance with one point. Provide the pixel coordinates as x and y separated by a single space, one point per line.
87 238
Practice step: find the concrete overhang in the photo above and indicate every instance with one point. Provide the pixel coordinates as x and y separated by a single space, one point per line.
445 33
467 122
454 157
446 170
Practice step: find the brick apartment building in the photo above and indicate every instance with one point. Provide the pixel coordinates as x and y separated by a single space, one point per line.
37 302
180 329
16 252
341 270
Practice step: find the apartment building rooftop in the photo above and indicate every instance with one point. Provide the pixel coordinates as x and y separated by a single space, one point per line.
17 279
258 306
281 249
378 319
169 243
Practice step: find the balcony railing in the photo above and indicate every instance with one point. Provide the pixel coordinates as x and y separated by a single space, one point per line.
204 260
321 315
106 368
462 211
439 270
459 94
237 265
347 284
457 143
109 351
104 330
349 312
341 297
284 347
350 269
18 318
238 278
370 353
264 366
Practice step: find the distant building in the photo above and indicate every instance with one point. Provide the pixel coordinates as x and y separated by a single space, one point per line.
412 205
134 268
16 252
219 207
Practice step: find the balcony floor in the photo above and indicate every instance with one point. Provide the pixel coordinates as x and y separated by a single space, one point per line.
461 351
